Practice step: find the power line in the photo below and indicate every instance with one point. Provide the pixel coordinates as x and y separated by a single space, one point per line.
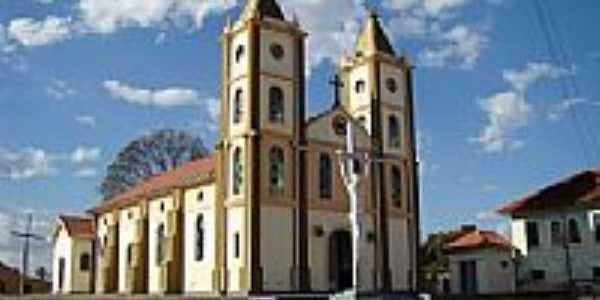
569 87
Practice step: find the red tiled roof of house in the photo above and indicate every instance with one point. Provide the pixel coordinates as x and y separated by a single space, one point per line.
478 239
80 227
184 175
580 188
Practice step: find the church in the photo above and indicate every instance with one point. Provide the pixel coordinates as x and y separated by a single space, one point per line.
267 210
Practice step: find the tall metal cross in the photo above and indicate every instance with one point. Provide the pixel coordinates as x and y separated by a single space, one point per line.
337 83
27 236
352 177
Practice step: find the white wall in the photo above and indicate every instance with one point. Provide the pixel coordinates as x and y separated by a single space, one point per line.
495 272
71 249
128 219
236 220
552 258
62 249
199 274
155 218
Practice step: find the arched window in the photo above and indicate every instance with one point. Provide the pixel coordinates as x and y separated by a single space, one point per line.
276 106
325 176
394 136
277 172
160 244
362 120
84 262
237 107
239 53
396 186
237 171
200 237
130 255
574 234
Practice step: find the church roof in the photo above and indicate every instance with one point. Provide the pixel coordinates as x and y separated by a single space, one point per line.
477 239
187 174
581 188
262 8
81 227
373 38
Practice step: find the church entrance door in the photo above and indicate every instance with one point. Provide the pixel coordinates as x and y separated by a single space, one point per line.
340 260
61 274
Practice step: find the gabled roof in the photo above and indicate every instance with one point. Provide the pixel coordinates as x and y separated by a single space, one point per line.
476 240
581 188
373 38
187 174
262 8
80 227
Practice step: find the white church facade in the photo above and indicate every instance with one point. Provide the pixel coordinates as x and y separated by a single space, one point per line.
267 210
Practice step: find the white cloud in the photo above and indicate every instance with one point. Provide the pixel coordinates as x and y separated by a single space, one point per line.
160 38
86 120
506 113
85 155
535 71
332 36
108 16
435 7
460 46
168 97
85 173
25 164
509 111
557 111
59 89
5 45
30 32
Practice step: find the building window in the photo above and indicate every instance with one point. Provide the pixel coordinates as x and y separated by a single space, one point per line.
362 120
391 85
533 235
596 274
160 244
397 186
239 53
395 138
276 106
277 51
130 255
200 237
237 171
277 173
238 102
84 262
538 274
360 86
236 245
325 176
574 234
200 196
556 233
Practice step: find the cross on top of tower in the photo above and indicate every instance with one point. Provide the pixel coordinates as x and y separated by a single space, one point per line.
337 83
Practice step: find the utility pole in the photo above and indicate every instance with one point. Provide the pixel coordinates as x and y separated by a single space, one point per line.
27 236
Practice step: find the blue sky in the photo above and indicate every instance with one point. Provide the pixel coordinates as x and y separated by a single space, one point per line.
81 78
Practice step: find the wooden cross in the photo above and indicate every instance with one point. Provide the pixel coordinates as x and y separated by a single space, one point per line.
337 83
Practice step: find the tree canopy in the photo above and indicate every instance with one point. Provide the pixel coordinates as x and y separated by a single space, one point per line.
151 154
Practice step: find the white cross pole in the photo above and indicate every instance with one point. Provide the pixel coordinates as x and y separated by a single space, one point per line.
351 181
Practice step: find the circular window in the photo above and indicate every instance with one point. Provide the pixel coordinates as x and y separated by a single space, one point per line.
277 51
392 85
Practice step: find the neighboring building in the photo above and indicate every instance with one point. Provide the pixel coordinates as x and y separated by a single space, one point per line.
480 262
10 282
267 212
557 230
72 239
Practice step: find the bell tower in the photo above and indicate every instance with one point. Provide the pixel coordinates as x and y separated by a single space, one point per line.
378 93
262 115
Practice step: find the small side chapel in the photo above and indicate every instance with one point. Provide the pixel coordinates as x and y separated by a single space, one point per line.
268 211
